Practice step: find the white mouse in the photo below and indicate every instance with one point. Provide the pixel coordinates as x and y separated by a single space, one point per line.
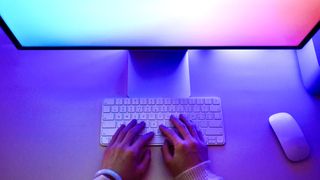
290 136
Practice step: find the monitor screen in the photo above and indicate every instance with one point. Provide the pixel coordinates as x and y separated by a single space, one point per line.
159 23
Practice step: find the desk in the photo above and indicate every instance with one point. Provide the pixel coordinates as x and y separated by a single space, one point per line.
50 104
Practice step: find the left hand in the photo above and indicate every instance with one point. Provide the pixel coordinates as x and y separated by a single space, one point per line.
127 153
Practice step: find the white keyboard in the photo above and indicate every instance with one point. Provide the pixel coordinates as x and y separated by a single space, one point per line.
206 113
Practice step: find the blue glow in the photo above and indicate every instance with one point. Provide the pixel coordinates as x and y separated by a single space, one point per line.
159 22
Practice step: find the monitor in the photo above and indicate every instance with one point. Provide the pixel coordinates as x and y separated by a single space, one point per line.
126 24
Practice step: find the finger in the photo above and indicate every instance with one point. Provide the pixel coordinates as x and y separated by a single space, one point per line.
170 134
133 133
115 136
125 130
200 135
181 127
167 157
143 141
191 127
145 163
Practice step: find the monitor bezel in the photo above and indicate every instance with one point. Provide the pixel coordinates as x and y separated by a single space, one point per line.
19 46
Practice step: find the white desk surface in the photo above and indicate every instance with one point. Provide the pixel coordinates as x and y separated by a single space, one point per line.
50 105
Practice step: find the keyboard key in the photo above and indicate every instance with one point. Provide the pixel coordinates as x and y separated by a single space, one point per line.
205 108
153 124
159 116
168 124
155 109
203 124
212 140
139 109
147 109
175 101
184 101
159 101
166 116
158 132
157 140
109 101
214 131
135 116
187 108
167 101
118 116
143 116
220 139
193 116
115 109
200 101
207 101
135 101
119 101
152 116
215 108
161 122
143 101
108 116
131 109
192 101
215 123
210 116
217 116
127 101
202 116
216 101
108 132
163 108
179 108
196 108
123 109
119 123
171 108
127 116
106 108
151 101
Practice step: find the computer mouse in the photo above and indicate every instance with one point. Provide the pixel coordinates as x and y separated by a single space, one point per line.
290 136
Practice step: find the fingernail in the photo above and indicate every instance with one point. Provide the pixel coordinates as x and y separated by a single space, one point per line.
152 133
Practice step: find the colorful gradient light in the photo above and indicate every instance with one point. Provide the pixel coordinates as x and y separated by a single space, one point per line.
136 23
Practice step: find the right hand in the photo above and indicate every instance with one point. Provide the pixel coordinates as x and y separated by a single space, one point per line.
184 150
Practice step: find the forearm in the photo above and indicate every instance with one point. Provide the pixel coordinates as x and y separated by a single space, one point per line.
199 172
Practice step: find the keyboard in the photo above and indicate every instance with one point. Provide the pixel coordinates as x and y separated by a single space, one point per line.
206 113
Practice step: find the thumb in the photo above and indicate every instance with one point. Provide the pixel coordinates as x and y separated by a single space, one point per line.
145 163
167 157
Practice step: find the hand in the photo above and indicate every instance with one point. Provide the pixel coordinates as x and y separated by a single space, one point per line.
127 154
184 150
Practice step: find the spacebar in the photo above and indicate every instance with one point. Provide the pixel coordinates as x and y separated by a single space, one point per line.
157 140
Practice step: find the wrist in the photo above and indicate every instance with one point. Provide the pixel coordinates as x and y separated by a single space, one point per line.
198 171
109 174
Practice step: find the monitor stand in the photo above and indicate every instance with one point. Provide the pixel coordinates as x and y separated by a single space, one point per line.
158 73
